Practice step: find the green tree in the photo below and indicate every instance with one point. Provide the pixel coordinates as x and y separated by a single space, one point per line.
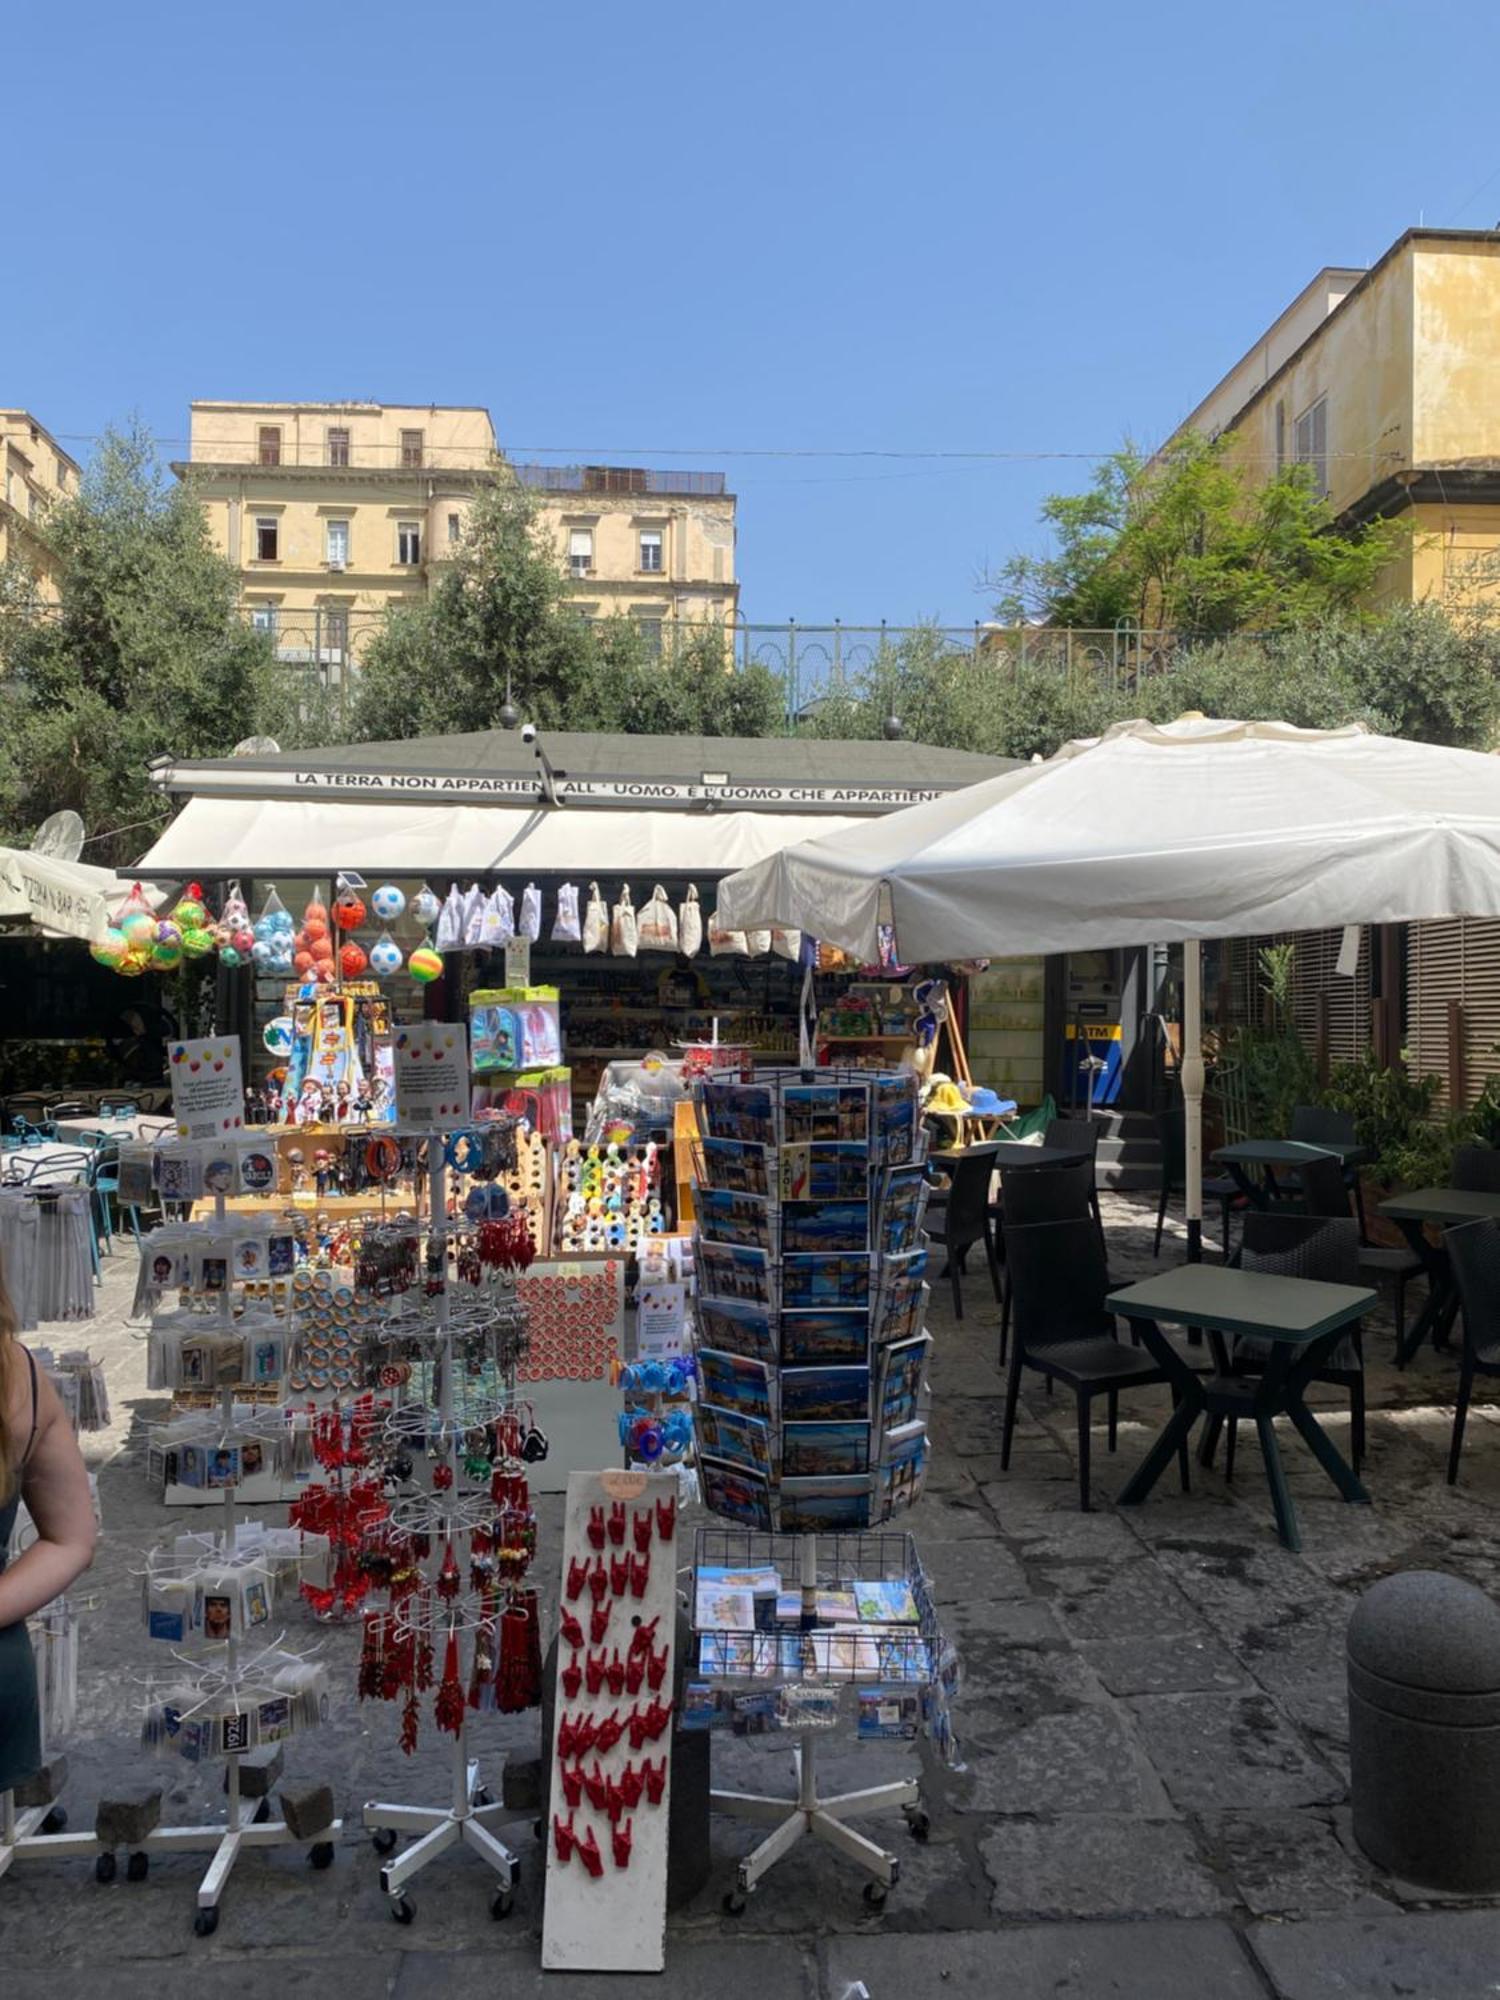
500 620
1191 542
145 652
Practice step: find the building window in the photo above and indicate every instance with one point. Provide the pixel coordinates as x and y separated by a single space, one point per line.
455 528
270 444
62 476
411 447
267 538
650 630
1311 443
338 543
338 446
580 550
408 542
336 633
263 618
1280 436
651 550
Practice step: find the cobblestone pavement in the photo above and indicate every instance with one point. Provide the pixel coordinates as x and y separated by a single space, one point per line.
1154 1793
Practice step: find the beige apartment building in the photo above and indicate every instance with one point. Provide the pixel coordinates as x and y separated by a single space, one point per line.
333 511
37 473
1382 381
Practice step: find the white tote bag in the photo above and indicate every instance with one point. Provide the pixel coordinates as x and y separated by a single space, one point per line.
450 924
690 924
596 921
565 925
656 929
623 937
498 925
725 944
529 923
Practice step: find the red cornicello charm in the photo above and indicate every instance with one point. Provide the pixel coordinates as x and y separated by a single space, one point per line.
564 1839
617 1524
655 1776
571 1678
571 1630
640 1574
578 1576
632 1784
572 1783
599 1579
609 1732
597 1786
599 1623
666 1518
635 1672
644 1637
588 1853
614 1673
619 1841
594 1671
619 1574
595 1528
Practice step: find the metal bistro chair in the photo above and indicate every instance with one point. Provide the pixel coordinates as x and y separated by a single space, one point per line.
1064 1329
964 1220
1221 1188
1302 1246
1474 1255
1038 1194
1325 1192
1318 1125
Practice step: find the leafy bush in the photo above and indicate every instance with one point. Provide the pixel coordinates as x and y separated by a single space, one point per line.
1393 1117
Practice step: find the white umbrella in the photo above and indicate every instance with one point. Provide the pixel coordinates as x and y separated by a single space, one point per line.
62 898
1153 834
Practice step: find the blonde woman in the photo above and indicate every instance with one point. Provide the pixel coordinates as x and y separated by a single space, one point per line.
39 1462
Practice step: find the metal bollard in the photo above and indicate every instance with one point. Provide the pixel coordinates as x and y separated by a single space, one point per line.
1424 1730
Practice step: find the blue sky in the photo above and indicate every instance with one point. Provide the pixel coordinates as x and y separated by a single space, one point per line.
808 229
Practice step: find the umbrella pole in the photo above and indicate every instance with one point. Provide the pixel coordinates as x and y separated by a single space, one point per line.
1192 1092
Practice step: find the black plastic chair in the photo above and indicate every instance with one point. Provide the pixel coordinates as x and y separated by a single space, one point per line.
1080 1135
1064 1330
964 1220
1320 1125
1303 1246
1474 1256
1039 1194
1325 1192
1477 1169
1222 1188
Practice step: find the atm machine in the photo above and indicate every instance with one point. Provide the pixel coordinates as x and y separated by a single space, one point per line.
1095 1008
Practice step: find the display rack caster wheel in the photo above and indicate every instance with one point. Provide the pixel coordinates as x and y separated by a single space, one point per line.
320 1854
262 1813
918 1825
206 1922
875 1894
384 1842
403 1910
501 1904
55 1821
137 1866
735 1903
106 1867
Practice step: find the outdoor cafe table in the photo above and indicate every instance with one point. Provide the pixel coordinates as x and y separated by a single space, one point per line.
1447 1207
47 1164
1269 1154
1301 1321
139 1125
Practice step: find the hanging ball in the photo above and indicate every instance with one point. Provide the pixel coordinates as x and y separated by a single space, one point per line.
139 929
425 906
348 911
385 957
352 960
387 902
110 949
425 965
229 955
131 966
197 941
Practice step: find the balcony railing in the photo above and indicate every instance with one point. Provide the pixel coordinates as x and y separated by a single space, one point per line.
619 479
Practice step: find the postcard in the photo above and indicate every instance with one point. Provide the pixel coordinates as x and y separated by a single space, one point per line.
889 1713
893 1117
886 1601
727 1489
853 1654
903 1469
734 1437
902 1305
901 1369
809 1450
808 1337
824 1395
735 1383
825 1280
737 1328
825 1225
742 1111
734 1165
760 1579
837 1607
727 1217
902 1206
732 1271
831 1171
737 1656
719 1610
839 1505
821 1112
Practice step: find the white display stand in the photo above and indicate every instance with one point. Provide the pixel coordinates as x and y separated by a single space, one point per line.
823 1817
35 1834
463 1822
614 1921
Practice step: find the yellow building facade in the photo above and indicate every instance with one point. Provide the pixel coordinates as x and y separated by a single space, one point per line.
37 473
1383 381
331 512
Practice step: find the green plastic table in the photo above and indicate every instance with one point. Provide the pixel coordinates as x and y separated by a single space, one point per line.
1301 1319
1447 1207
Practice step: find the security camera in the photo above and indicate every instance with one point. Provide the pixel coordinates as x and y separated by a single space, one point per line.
528 732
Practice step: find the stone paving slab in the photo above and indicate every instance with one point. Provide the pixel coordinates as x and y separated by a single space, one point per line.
1087 1865
1439 1955
1218 1751
1139 1961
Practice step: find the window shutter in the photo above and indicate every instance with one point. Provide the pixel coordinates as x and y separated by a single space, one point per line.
1458 959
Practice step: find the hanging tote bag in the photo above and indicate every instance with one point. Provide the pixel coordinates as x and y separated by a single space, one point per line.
725 944
565 926
657 928
623 937
474 908
450 927
690 924
529 923
757 943
596 921
498 925
787 944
